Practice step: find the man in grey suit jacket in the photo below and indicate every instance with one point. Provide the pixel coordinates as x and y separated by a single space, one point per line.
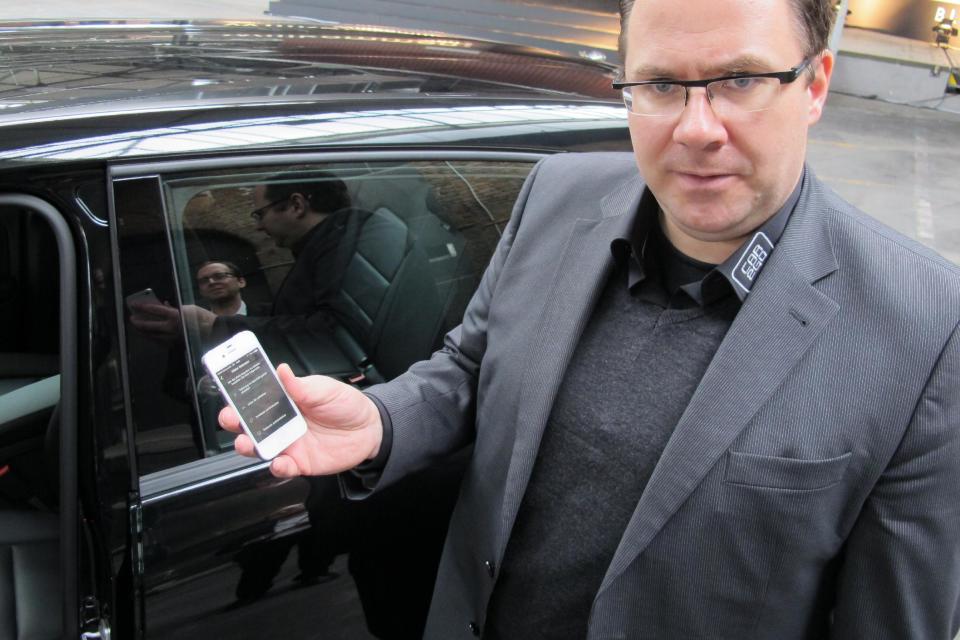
708 398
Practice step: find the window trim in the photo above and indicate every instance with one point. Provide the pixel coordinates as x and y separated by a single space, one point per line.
121 171
196 475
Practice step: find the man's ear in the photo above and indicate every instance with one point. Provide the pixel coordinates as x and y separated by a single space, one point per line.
820 85
299 204
241 282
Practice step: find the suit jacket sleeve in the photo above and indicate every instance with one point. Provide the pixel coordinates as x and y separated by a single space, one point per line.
431 407
900 576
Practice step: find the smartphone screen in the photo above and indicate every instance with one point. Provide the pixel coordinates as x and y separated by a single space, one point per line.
256 394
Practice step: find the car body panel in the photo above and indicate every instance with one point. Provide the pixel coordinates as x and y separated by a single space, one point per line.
95 119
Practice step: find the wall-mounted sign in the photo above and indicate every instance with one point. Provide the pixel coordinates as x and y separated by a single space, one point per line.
943 14
913 19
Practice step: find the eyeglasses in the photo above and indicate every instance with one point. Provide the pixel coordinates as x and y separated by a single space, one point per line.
728 95
257 214
220 276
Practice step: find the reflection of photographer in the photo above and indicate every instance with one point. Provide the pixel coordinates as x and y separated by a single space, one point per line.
220 283
315 221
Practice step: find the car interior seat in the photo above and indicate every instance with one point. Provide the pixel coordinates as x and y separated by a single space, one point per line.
30 538
398 284
29 575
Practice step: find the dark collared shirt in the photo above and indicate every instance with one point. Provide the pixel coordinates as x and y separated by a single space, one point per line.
702 283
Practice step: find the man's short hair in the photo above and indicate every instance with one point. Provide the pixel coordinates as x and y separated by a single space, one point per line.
814 18
324 191
231 267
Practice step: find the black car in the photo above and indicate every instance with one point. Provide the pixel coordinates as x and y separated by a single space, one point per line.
131 155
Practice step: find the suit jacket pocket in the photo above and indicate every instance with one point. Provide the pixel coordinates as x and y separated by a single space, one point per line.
771 472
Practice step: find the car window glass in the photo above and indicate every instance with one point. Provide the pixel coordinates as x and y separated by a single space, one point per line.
349 270
162 407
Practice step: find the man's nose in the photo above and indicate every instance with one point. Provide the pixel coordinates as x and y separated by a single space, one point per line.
699 126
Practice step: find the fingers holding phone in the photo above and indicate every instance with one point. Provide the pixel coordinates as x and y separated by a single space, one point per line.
310 426
249 384
343 427
155 320
152 317
163 321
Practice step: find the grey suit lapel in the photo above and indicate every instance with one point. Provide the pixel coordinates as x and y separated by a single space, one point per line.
583 271
779 321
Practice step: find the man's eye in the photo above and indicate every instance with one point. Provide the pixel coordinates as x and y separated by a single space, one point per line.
663 88
741 84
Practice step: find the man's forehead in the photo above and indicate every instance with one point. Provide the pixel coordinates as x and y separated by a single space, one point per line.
704 38
735 63
213 266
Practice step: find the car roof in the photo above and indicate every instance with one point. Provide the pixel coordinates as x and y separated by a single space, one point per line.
63 82
49 66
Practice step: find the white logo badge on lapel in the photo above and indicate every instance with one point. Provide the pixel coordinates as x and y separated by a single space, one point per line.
752 260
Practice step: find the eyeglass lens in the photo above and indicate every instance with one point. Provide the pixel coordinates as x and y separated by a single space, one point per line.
215 277
730 96
257 214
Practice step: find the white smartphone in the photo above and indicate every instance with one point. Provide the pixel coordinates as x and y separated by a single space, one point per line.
249 383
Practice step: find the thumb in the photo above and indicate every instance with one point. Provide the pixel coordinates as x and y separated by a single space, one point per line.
283 466
294 386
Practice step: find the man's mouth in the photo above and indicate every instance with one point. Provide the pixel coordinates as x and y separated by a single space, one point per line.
704 180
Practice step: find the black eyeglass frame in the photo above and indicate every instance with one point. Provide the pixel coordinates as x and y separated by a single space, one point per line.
219 276
785 77
258 213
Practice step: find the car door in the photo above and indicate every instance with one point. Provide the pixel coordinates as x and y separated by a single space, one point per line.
223 548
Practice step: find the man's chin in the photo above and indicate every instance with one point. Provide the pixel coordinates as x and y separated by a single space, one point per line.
705 219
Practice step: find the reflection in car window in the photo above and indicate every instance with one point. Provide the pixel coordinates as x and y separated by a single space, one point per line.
349 270
161 401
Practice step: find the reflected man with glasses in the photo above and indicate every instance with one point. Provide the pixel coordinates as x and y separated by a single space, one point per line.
707 397
220 283
312 218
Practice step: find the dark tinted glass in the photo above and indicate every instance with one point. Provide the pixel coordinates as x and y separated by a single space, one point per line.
352 271
395 253
158 373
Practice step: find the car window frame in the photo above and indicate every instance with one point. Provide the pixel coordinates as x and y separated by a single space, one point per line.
224 467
